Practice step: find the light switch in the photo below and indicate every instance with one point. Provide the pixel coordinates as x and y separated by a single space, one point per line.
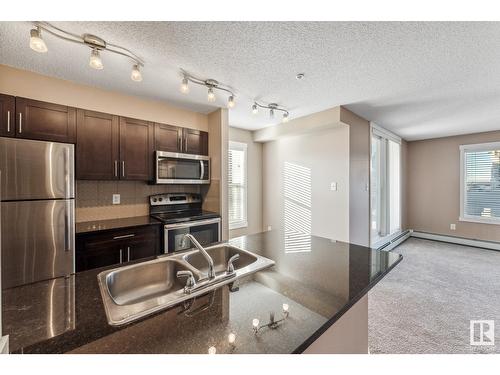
333 186
116 198
453 226
269 228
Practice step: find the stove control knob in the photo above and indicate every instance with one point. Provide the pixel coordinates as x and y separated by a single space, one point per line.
160 199
154 199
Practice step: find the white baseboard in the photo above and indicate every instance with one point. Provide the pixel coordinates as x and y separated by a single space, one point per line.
491 245
4 345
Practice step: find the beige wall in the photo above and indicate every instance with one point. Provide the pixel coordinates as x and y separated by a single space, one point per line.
254 175
433 187
36 86
325 154
359 177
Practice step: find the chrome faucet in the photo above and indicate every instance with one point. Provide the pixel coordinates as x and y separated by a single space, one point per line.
211 270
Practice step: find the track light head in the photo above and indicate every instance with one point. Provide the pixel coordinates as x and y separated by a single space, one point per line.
211 95
230 101
285 117
255 109
95 60
184 86
136 73
36 42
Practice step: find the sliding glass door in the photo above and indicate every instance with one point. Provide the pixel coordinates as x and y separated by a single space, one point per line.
385 190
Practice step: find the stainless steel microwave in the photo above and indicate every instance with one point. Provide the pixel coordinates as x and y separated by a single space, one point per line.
176 168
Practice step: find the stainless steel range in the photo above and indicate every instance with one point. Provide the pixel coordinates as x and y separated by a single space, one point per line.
182 214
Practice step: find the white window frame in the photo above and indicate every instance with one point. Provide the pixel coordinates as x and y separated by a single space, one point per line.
463 149
240 146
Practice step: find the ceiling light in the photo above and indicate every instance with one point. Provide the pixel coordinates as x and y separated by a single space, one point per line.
230 101
184 86
211 95
273 107
36 42
136 74
255 109
95 60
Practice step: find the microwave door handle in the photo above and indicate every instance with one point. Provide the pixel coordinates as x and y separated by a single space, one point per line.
202 175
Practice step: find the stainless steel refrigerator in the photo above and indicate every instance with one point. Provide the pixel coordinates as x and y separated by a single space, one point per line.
37 210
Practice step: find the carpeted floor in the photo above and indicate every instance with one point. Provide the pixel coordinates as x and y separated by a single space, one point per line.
426 303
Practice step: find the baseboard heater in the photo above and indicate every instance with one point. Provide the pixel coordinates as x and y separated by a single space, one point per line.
490 245
395 241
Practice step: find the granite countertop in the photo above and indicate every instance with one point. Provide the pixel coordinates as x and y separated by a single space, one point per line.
101 225
318 278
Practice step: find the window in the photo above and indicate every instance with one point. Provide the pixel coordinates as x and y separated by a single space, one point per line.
385 176
480 183
237 178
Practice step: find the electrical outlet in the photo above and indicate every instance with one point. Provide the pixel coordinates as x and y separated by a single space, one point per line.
116 198
453 226
333 186
268 227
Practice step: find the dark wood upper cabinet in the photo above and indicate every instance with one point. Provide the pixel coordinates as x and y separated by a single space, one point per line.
195 142
97 146
136 149
45 121
7 115
168 138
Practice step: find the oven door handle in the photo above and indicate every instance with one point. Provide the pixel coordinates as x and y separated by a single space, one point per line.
194 223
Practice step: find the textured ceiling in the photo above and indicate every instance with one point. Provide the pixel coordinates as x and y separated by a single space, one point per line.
418 79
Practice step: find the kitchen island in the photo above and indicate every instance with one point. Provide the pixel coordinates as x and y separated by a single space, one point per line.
317 280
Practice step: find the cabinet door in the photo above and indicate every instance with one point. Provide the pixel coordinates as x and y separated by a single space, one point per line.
195 142
45 121
97 151
7 115
168 138
99 258
136 149
144 244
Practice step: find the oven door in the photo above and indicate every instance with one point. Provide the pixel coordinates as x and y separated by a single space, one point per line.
206 232
175 168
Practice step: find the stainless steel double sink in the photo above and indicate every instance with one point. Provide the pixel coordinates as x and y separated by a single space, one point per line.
133 292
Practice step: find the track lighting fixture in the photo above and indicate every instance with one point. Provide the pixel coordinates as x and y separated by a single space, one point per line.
95 43
184 86
211 85
273 107
136 74
95 60
36 42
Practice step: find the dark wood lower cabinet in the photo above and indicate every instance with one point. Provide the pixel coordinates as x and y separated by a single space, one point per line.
114 247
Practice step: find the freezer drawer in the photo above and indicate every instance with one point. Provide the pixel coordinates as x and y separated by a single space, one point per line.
36 170
38 241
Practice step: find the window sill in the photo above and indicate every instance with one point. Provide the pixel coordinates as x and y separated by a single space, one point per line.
238 225
479 220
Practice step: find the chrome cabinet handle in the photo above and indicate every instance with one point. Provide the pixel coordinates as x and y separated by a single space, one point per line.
124 236
123 168
128 253
20 122
116 168
8 121
121 256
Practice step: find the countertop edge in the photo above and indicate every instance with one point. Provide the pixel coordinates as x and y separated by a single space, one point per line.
330 322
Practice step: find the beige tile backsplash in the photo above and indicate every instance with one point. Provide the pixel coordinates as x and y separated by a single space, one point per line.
94 198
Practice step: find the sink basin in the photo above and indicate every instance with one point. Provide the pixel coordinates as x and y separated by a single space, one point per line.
135 284
220 255
135 291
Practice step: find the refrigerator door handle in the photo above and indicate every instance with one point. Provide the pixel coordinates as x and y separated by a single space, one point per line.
67 229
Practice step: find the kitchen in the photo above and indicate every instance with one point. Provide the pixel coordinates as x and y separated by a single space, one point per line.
100 190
